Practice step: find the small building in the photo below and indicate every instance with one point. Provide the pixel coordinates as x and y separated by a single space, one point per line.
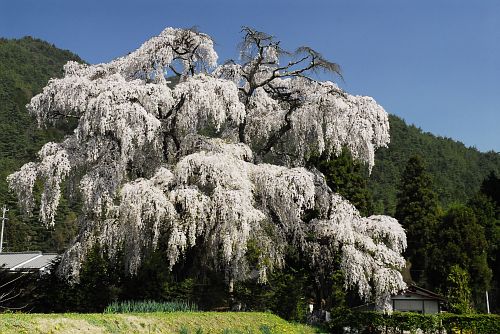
413 299
27 261
418 300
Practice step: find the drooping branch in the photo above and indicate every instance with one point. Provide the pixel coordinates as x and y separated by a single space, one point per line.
262 53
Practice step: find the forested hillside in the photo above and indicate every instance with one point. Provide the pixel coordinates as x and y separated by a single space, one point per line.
456 170
25 66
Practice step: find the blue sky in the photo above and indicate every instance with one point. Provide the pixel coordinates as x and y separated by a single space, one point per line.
436 63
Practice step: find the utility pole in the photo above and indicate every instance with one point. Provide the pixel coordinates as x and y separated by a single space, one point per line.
487 303
3 224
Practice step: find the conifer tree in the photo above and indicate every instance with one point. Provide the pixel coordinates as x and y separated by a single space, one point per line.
486 207
417 211
461 241
491 188
346 176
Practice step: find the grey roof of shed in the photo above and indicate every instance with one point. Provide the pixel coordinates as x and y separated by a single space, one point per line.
421 292
26 260
9 260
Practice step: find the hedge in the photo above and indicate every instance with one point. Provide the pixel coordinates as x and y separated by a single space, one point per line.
345 321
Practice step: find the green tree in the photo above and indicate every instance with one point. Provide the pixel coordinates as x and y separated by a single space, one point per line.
459 292
486 207
491 188
100 282
348 178
417 210
461 241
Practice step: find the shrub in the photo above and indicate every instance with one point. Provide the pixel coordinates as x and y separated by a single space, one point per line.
374 322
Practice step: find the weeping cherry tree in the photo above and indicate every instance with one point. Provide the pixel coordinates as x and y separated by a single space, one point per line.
214 161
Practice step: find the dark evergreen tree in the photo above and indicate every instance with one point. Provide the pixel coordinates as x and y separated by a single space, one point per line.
461 241
491 188
486 206
417 211
348 178
101 281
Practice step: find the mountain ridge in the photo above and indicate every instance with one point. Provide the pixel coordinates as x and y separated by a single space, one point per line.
457 170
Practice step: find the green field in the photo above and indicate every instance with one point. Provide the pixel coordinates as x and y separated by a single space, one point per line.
175 322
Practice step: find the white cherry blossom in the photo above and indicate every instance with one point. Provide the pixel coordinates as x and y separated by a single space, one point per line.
216 161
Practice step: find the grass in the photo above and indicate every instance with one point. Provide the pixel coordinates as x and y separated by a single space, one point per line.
174 322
